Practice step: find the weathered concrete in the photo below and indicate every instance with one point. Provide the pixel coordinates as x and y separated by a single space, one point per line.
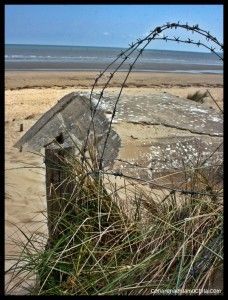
70 118
192 132
171 155
168 110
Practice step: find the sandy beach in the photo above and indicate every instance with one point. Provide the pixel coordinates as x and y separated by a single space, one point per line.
29 94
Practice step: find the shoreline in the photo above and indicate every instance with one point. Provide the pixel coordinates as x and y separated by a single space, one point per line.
214 72
85 79
152 67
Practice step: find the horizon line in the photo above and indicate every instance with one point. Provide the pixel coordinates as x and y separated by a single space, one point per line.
118 47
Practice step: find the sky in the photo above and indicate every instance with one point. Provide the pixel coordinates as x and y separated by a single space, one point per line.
106 25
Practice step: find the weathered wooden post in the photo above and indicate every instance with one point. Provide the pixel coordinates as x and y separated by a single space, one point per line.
58 185
61 131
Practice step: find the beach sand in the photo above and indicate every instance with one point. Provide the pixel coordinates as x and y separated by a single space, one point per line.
30 94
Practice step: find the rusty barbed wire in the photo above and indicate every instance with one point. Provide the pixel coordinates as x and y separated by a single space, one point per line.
208 92
122 58
189 41
125 54
151 181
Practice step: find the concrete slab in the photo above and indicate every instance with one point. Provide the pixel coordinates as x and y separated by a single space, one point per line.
70 118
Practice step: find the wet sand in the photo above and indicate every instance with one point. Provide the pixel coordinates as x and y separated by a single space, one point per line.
85 79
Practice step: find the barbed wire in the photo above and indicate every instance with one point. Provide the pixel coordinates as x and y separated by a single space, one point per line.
215 101
189 41
97 173
125 54
137 48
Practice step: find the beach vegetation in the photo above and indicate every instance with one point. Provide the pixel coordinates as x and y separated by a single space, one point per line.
162 242
198 96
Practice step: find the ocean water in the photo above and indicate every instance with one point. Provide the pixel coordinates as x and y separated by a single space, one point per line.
40 57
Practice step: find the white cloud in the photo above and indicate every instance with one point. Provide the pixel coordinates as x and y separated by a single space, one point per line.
106 33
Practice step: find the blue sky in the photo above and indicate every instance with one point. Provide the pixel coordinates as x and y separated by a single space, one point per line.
105 25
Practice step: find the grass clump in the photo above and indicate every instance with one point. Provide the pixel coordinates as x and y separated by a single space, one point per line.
198 96
98 249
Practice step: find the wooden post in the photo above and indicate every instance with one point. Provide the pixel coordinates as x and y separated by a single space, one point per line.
21 127
58 187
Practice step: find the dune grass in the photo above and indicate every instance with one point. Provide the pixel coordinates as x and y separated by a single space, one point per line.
198 96
99 249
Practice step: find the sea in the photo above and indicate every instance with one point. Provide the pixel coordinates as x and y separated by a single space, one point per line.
76 58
